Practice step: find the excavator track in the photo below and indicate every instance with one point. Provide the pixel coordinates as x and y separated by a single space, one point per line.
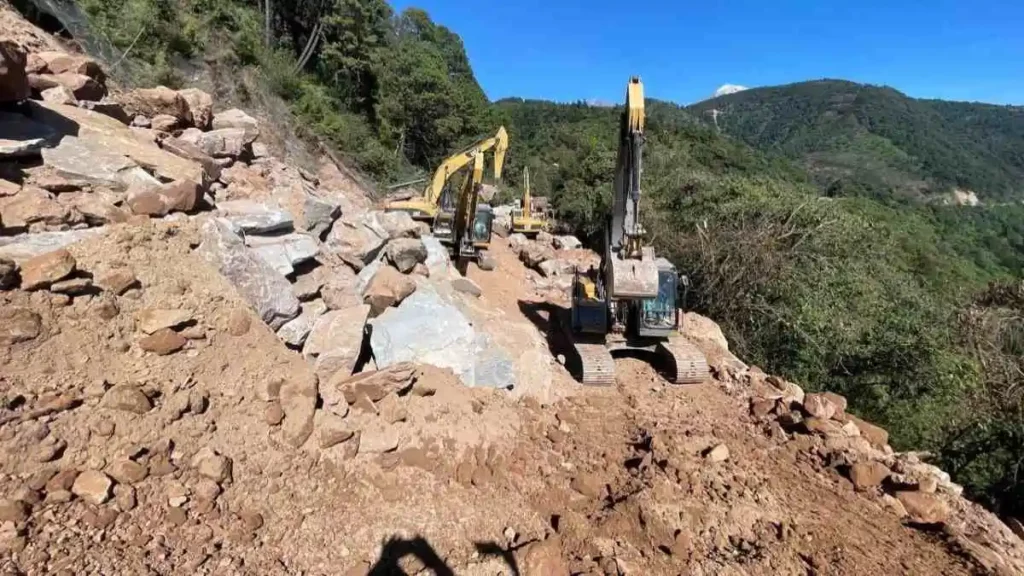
684 362
597 365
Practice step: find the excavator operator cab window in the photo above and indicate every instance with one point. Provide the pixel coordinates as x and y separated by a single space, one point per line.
482 225
660 312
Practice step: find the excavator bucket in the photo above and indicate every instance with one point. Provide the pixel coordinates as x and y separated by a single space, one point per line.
633 278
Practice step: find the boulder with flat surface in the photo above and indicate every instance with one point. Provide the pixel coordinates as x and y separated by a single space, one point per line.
387 288
45 269
200 107
82 86
355 241
151 102
238 119
406 253
285 251
265 289
336 340
254 218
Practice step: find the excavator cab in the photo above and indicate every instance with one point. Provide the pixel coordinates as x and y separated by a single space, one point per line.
483 223
658 317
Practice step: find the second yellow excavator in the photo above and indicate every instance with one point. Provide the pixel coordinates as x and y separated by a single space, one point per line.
427 207
530 219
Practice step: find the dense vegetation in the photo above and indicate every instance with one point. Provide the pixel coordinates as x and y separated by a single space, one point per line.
825 270
859 140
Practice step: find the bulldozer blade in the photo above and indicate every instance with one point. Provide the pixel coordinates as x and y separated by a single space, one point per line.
633 279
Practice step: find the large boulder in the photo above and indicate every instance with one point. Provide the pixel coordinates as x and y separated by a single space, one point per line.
406 253
567 243
534 253
89 161
236 118
24 246
224 143
101 136
107 108
427 329
82 86
22 137
156 101
254 218
285 251
336 340
35 206
45 269
13 79
394 224
190 151
200 107
54 62
356 240
264 288
387 288
161 199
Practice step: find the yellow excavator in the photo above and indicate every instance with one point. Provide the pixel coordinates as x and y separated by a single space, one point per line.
528 219
628 306
427 207
467 228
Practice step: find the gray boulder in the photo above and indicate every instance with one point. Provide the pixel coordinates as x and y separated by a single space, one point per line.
295 331
224 143
264 288
254 218
406 253
91 161
517 241
318 214
438 259
393 224
567 242
25 246
237 119
357 240
285 251
426 328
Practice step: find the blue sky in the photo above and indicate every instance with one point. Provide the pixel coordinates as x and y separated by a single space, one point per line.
574 49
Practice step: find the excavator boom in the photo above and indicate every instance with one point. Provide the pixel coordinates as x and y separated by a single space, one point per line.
428 205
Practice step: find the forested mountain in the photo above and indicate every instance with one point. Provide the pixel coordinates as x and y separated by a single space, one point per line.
856 139
887 302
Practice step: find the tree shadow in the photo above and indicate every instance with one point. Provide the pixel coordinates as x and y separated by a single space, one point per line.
395 549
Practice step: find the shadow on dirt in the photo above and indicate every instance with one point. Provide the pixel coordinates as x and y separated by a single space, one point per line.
495 549
395 549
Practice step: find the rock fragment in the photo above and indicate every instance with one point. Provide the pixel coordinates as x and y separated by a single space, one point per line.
163 342
46 269
127 398
92 486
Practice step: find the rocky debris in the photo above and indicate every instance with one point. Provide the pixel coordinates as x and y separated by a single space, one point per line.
295 331
213 465
190 151
163 123
867 475
819 406
163 342
387 288
152 102
200 107
318 214
307 286
566 243
14 510
466 286
266 290
126 398
556 267
18 325
82 86
237 119
22 137
719 453
33 208
375 385
285 251
874 434
298 401
378 439
517 241
117 282
545 558
405 253
72 286
254 218
533 254
589 485
923 508
342 288
78 159
223 143
8 274
43 270
54 62
355 241
59 95
336 340
161 199
107 108
14 84
127 471
92 486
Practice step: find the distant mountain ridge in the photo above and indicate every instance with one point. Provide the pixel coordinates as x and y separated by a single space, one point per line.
864 140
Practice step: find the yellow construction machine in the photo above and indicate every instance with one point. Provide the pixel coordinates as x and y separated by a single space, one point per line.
438 192
467 228
530 219
628 305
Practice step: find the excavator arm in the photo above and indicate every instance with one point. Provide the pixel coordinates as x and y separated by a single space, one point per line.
427 206
527 207
630 269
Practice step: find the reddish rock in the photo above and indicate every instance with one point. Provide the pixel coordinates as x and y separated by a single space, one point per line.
18 325
153 102
82 86
52 62
14 85
543 558
876 435
117 281
588 485
819 406
46 269
126 398
200 106
867 475
92 486
163 342
924 508
387 288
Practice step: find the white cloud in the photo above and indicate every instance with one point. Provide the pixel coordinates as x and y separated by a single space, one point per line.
728 89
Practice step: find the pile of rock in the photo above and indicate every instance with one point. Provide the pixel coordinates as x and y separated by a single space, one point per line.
555 258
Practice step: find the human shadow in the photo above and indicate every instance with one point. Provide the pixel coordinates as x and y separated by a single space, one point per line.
395 549
506 554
